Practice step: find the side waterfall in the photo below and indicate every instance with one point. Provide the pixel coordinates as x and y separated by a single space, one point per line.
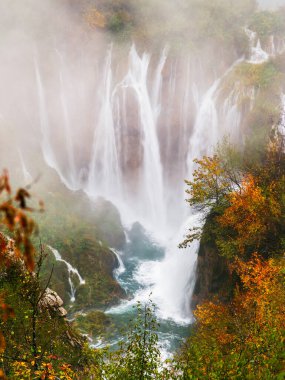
71 272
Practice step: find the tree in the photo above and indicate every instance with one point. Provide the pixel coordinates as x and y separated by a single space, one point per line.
209 185
13 216
35 341
245 338
138 357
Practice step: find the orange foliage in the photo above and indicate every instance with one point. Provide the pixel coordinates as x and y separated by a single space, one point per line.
250 214
263 285
258 303
250 329
13 216
95 19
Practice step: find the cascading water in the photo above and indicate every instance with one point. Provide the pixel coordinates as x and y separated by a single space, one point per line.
47 149
143 195
281 126
140 149
151 195
67 127
71 272
105 173
257 54
26 174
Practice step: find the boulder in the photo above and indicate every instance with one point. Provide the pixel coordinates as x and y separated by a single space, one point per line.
52 301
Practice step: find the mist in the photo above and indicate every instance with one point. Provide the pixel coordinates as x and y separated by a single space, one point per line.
108 94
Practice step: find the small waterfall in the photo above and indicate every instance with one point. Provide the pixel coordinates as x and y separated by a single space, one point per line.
121 268
71 271
46 144
257 54
281 127
272 47
27 176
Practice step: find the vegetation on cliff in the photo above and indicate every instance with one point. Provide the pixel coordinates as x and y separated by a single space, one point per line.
242 338
82 232
157 22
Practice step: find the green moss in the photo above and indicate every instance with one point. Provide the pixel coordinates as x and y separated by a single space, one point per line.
94 323
188 25
71 225
258 76
53 333
268 23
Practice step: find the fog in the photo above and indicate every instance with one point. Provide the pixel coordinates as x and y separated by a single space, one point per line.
55 33
271 4
112 110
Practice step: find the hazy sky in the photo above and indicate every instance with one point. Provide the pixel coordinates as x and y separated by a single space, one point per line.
272 3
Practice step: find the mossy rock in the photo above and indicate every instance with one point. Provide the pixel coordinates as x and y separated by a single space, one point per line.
109 224
70 225
94 323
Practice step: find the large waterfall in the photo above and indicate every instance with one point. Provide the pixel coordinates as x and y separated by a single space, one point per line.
148 121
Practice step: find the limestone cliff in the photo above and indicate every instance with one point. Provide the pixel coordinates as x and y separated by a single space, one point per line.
213 277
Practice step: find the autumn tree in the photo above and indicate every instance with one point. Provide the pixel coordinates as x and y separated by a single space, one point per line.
244 203
242 338
209 185
245 338
35 341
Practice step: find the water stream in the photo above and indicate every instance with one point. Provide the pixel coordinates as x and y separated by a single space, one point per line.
71 273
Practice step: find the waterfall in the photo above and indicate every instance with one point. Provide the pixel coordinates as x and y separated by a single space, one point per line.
71 271
141 145
44 122
281 126
105 175
151 177
121 267
175 283
171 281
46 144
257 54
26 174
209 126
67 127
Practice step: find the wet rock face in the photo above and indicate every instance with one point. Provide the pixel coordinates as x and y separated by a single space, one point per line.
109 224
212 276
